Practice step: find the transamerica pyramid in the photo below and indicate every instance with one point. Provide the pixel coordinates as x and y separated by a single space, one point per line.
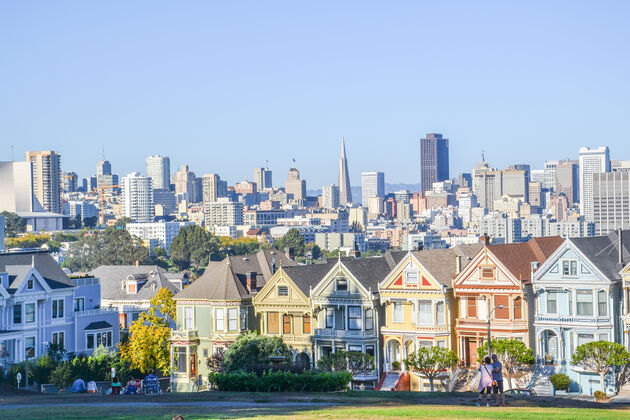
345 194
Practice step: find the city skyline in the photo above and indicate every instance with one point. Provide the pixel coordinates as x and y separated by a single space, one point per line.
157 85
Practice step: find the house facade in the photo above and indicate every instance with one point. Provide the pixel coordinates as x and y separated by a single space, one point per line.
40 305
579 300
495 287
625 305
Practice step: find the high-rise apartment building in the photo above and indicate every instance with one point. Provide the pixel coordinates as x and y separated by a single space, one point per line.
535 194
568 180
213 187
372 183
69 181
295 186
490 184
433 160
591 161
46 166
103 167
550 174
137 197
159 169
611 201
223 212
345 192
330 197
263 178
185 184
375 206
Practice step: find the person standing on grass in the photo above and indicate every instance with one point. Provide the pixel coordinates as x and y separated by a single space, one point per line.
485 381
497 377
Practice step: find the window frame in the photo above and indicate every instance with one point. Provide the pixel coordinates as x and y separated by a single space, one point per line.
583 292
306 321
287 324
76 304
409 280
56 336
19 312
483 270
243 318
30 283
355 320
548 301
32 352
340 280
284 289
57 308
398 316
219 320
34 313
425 317
271 315
440 314
189 318
602 302
232 318
369 318
330 316
569 268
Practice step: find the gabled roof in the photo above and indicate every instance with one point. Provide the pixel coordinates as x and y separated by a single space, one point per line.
603 252
18 264
442 263
517 257
98 325
369 271
307 276
150 279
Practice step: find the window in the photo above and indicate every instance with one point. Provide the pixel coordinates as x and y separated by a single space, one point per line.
397 309
180 359
283 291
369 319
103 338
355 318
603 337
306 325
232 319
342 285
29 346
504 312
286 324
273 325
425 313
552 302
355 348
188 318
30 284
584 338
602 305
58 339
79 304
29 313
570 301
425 344
440 314
585 302
369 350
205 353
90 341
569 268
330 317
17 313
441 343
487 273
220 325
518 309
131 287
472 306
57 308
243 318
412 277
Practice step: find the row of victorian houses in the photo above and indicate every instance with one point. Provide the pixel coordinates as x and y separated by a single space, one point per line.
550 293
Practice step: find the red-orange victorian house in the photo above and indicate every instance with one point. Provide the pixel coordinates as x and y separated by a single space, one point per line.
498 282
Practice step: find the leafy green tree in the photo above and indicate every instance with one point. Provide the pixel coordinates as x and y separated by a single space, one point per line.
148 345
108 247
13 224
513 355
90 222
61 376
159 252
431 361
355 362
193 246
316 252
599 357
251 351
293 240
122 222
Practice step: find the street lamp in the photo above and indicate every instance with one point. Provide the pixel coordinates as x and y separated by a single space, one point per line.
489 316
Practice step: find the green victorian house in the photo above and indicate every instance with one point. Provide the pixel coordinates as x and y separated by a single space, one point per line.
215 309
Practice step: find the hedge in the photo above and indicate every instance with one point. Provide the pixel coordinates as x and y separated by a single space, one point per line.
279 381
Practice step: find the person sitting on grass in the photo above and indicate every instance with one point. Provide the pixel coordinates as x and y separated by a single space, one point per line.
78 385
485 381
151 383
116 386
131 387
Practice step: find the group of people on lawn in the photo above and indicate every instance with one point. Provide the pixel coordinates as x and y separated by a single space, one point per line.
491 380
150 384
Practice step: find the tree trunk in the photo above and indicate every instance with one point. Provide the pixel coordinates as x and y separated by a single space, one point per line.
509 381
602 374
431 382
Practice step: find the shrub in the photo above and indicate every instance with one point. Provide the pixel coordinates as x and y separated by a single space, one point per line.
560 381
61 376
599 395
250 351
396 365
281 381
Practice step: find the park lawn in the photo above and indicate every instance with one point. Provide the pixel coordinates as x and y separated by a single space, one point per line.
346 412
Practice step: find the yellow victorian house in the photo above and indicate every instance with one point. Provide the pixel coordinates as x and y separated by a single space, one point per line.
420 309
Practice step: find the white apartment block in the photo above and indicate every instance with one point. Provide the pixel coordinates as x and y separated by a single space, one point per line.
591 161
137 197
330 197
611 201
372 184
162 232
223 212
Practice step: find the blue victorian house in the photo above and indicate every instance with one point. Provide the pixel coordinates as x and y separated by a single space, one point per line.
578 300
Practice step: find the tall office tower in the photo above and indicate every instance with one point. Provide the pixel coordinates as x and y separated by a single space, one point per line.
568 180
464 180
433 160
103 167
46 178
2 233
375 205
223 212
345 193
611 201
372 183
559 204
159 169
515 183
330 197
185 183
69 181
213 187
550 174
537 175
535 194
262 178
295 185
486 185
591 161
137 197
248 190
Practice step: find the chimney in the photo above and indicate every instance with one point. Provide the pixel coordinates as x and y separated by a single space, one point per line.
485 239
250 280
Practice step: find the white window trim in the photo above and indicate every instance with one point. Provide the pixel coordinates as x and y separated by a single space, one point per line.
63 333
417 273
192 322
52 304
95 334
24 313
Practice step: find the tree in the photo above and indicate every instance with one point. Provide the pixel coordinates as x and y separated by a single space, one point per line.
293 240
193 246
599 357
430 361
316 252
216 361
252 351
13 224
148 346
513 355
159 252
90 222
122 222
108 247
355 362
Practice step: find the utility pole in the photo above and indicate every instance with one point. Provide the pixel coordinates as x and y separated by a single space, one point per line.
489 339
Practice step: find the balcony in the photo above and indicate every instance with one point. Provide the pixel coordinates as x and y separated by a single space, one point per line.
95 312
182 337
329 332
498 324
572 319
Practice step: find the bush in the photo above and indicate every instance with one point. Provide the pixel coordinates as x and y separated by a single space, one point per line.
281 381
599 395
61 376
396 365
560 381
251 352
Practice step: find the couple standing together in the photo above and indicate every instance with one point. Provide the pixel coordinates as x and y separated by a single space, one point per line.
491 380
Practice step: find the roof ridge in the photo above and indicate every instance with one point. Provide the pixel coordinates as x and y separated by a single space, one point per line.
535 247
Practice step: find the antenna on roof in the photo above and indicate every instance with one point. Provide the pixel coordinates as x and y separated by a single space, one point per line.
483 155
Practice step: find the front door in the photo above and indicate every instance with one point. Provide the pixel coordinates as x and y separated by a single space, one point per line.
471 350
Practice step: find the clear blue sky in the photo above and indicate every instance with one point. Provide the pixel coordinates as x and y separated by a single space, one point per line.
225 86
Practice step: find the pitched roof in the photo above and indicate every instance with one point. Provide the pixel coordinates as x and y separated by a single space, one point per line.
98 325
307 276
517 257
603 252
150 279
442 263
17 264
369 271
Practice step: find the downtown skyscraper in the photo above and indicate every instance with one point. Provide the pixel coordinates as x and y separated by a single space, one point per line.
46 169
592 161
433 160
345 194
159 170
372 184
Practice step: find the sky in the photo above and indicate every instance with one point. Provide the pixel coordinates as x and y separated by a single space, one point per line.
227 86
